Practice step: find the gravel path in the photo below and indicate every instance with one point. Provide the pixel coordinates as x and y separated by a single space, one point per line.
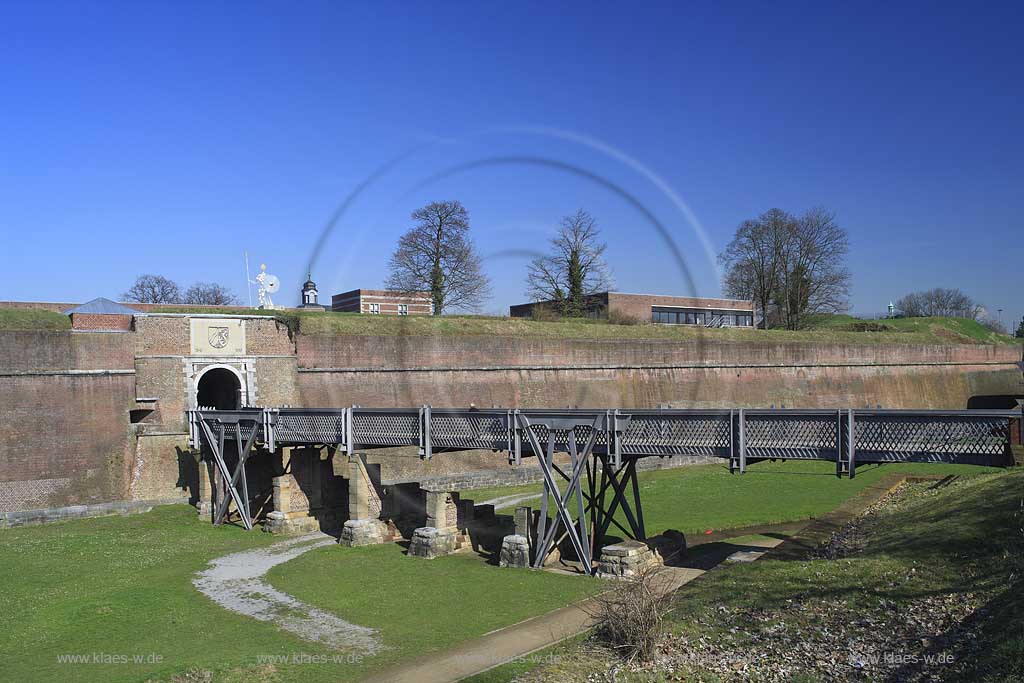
503 502
237 582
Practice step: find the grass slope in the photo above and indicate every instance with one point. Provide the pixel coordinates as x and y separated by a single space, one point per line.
30 319
955 330
960 548
693 499
836 329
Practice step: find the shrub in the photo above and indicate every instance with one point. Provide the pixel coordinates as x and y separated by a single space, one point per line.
631 616
620 318
544 314
866 326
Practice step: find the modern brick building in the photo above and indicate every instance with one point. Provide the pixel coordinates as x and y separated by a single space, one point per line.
661 309
382 302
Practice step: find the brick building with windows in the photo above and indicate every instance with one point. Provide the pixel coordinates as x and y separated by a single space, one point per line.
382 302
661 309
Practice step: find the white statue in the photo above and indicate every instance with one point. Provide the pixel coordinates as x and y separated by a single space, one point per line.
266 284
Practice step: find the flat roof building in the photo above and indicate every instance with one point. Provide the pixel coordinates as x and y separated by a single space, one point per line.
660 309
382 302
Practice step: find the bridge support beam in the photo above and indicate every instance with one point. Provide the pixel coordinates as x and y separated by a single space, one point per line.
233 480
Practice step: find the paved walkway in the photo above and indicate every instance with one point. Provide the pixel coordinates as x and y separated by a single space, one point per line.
519 640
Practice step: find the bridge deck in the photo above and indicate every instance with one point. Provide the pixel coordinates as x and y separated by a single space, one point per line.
847 436
604 447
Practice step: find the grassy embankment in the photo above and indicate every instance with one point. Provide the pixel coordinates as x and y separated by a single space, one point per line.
30 319
834 329
932 581
826 328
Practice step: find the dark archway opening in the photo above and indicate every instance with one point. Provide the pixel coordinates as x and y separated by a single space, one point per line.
993 402
219 388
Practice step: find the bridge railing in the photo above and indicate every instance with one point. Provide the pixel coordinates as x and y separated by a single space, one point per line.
846 437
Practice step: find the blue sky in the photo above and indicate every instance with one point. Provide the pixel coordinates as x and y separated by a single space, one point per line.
171 137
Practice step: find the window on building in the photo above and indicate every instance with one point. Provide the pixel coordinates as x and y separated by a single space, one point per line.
403 309
375 309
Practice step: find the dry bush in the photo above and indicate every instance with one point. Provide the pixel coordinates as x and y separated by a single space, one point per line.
866 326
620 318
544 314
632 614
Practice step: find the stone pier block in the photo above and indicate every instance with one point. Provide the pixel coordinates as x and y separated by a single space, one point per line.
524 521
515 551
430 542
358 532
204 504
626 559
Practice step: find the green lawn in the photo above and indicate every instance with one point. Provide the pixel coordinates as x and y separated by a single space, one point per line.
30 319
421 606
122 586
940 329
694 499
961 546
822 328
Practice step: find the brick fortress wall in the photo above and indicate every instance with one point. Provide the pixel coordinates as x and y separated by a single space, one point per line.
65 436
537 372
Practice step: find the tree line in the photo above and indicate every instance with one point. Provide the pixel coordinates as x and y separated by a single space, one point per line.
438 256
157 289
790 266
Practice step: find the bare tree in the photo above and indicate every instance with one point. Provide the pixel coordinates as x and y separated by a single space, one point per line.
813 277
209 294
753 259
436 255
790 267
573 270
994 325
153 289
951 303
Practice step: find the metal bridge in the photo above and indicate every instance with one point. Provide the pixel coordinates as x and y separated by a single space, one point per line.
604 446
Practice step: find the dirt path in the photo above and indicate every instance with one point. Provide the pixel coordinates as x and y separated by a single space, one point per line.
520 640
502 502
237 582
